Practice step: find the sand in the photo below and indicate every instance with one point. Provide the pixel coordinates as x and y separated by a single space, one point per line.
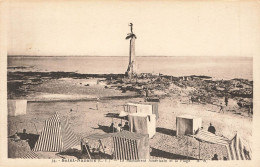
85 120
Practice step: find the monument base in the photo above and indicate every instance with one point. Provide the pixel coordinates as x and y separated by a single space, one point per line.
129 74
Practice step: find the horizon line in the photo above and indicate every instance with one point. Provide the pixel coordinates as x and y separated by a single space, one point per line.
117 56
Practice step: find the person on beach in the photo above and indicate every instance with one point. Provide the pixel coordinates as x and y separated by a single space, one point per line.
211 128
215 157
112 128
24 135
126 126
221 108
226 100
97 103
146 92
118 128
191 99
84 146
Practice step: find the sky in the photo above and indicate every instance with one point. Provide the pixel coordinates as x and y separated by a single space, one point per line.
165 28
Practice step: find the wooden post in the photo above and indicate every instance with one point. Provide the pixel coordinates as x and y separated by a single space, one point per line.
199 150
187 147
113 123
100 144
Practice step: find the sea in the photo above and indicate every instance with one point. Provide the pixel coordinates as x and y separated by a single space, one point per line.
215 67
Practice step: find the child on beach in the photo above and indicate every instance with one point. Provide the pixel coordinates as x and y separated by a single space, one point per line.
97 103
119 127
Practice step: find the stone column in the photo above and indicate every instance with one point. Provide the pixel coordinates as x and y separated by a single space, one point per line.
131 70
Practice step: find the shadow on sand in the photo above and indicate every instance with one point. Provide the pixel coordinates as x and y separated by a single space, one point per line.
166 131
163 154
79 155
31 138
112 115
106 129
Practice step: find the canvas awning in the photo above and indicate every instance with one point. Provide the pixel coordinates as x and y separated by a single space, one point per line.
98 136
123 114
236 148
206 136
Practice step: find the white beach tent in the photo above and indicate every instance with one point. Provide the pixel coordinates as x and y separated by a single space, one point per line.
56 136
142 123
16 107
141 118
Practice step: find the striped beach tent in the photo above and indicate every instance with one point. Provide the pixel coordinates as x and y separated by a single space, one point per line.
131 146
31 155
237 150
56 136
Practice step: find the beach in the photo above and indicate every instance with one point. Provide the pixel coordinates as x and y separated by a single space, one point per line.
75 96
85 120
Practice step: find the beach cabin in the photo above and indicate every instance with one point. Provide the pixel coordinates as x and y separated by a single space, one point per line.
16 107
145 108
187 124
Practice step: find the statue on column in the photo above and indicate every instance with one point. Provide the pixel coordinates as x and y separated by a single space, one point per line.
131 27
131 70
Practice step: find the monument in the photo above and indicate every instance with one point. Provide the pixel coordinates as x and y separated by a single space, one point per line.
131 70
